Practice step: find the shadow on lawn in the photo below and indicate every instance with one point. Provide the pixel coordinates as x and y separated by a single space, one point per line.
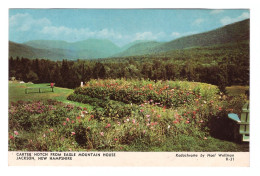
223 128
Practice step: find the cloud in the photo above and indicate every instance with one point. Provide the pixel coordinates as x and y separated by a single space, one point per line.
198 21
25 22
227 20
148 36
216 11
108 33
74 34
42 28
66 32
175 34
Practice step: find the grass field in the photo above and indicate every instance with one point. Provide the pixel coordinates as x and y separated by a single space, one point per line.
17 92
237 90
106 135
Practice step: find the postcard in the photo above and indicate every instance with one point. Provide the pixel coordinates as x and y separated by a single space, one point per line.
129 87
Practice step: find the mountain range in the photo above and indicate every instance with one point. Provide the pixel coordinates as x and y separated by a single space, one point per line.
96 48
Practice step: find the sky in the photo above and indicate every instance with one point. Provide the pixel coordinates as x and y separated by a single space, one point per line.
121 26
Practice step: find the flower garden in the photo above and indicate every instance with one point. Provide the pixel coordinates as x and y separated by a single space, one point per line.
136 115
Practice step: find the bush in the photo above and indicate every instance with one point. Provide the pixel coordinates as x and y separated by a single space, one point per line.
170 94
81 134
193 113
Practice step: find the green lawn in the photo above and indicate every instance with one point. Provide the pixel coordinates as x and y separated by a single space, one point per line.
237 90
17 92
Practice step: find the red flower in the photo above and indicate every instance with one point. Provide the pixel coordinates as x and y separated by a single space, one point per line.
64 123
187 122
16 133
11 137
51 129
175 121
72 121
164 108
85 108
73 133
108 125
115 139
67 119
220 108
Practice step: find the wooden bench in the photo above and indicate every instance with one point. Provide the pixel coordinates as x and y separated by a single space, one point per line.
243 122
38 89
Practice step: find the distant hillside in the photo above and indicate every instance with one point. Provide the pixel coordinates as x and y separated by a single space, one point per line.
139 49
58 50
125 47
91 48
47 44
21 50
231 33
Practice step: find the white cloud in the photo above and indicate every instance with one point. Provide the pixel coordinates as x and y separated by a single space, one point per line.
175 34
227 20
57 31
44 29
148 36
198 21
108 33
244 15
216 11
73 34
25 22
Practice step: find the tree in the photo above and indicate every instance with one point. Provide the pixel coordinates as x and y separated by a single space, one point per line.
31 76
99 71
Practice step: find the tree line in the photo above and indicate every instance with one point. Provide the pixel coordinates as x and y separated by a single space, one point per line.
222 71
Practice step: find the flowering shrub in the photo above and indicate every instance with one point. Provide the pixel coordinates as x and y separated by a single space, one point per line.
171 94
151 124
